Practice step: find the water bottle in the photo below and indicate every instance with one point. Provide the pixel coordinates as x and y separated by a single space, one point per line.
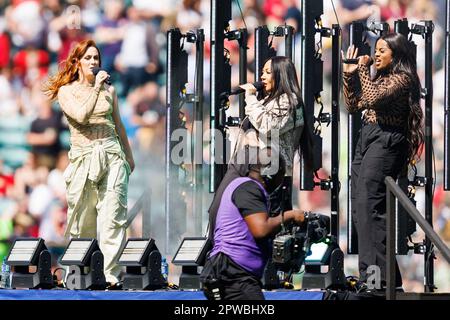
6 274
164 269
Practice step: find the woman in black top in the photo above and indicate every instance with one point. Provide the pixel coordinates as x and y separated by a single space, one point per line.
390 138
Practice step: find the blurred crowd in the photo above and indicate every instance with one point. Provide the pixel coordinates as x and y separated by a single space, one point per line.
36 36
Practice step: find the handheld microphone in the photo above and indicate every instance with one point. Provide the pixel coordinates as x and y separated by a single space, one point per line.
259 85
96 70
355 61
350 61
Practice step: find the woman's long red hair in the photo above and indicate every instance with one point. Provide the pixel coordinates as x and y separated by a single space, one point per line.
69 71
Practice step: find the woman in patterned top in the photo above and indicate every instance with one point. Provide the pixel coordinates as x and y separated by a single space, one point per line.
390 138
274 121
100 155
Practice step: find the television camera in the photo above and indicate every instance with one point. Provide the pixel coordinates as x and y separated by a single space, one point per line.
308 245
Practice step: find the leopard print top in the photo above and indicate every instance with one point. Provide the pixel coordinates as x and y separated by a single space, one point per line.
385 99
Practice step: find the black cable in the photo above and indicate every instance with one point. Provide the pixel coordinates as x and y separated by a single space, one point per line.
242 15
335 13
434 171
271 41
431 252
197 63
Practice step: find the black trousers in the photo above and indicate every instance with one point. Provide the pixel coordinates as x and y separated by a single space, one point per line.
381 151
235 282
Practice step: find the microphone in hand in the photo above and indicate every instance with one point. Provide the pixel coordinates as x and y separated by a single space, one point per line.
96 70
356 61
350 61
258 85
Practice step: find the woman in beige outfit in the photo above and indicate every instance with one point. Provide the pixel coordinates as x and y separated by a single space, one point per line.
100 155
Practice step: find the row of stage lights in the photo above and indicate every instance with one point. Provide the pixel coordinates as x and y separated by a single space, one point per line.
31 264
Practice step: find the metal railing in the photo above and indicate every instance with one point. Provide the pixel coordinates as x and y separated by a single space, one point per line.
394 191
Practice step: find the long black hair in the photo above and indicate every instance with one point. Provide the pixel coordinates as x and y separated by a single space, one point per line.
404 61
285 81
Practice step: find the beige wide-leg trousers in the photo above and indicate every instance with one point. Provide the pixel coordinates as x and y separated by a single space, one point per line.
97 185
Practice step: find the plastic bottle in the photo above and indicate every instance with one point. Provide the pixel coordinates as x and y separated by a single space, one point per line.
6 274
164 269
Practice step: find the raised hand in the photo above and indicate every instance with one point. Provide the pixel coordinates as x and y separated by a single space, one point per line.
352 53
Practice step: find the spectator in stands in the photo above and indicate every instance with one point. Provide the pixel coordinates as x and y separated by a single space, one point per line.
355 10
189 17
274 11
349 11
56 176
47 209
25 177
154 11
25 225
252 10
51 8
148 111
9 106
26 23
54 220
394 9
6 182
110 32
41 196
138 57
5 46
66 31
44 133
31 64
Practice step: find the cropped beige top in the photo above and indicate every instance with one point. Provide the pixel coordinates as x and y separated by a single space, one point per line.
88 111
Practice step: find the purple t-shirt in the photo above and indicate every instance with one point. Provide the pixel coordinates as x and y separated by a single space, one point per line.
233 237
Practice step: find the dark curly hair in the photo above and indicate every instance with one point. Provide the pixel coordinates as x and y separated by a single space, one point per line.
404 61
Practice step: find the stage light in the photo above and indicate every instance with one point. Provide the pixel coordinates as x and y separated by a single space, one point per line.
85 261
326 253
190 255
319 254
142 260
31 264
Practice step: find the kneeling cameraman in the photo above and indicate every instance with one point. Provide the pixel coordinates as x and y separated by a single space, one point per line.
242 235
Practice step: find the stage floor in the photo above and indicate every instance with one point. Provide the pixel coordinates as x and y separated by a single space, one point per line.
59 294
